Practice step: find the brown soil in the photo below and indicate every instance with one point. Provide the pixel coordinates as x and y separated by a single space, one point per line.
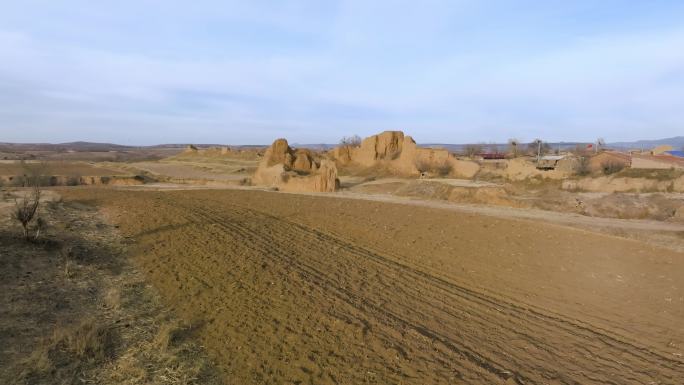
227 171
305 289
13 168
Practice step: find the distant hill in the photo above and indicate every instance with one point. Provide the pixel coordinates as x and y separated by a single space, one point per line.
78 147
314 146
501 146
71 146
677 142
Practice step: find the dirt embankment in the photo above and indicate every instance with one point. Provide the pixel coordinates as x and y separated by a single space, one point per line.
625 184
74 311
301 289
533 194
57 173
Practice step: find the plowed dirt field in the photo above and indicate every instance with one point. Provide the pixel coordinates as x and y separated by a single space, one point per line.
312 290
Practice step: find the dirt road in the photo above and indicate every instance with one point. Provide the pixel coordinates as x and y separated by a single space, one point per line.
303 289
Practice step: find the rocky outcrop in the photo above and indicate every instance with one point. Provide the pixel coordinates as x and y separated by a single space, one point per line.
385 146
298 171
190 149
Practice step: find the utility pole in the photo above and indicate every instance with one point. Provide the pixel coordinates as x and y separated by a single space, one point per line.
539 142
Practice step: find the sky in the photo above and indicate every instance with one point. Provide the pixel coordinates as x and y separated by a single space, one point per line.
246 72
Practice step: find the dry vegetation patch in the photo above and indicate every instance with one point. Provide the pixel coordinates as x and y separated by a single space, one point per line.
75 312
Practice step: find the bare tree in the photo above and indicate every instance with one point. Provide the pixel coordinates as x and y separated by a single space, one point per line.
493 148
471 150
600 144
25 209
351 141
538 147
513 145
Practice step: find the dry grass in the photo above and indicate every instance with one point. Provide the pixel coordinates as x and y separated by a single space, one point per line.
57 168
441 169
69 352
665 174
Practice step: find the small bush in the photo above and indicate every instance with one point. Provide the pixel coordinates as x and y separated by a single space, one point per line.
423 166
441 169
609 168
582 168
444 168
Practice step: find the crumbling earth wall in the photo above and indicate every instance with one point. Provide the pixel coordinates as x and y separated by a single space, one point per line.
400 154
295 170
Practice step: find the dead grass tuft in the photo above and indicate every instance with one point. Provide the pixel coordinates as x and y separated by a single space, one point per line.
171 334
70 351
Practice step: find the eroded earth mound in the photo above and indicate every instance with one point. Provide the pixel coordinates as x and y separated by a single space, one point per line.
295 170
399 154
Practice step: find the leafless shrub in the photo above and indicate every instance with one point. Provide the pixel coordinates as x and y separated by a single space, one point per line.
66 254
583 168
34 173
41 226
25 209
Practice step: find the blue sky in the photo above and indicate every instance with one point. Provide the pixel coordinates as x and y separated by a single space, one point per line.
241 72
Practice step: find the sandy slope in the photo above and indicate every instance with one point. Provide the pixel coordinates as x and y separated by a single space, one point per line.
304 289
